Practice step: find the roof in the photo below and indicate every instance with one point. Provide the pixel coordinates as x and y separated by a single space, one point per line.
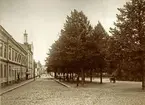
26 46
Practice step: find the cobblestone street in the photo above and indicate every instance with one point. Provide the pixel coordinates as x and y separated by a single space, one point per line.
46 91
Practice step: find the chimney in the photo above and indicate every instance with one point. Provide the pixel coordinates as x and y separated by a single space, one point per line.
25 37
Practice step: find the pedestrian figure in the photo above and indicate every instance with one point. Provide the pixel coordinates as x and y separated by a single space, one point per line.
77 80
27 75
18 75
113 77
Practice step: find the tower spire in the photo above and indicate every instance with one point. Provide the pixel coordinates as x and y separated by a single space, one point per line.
25 37
25 31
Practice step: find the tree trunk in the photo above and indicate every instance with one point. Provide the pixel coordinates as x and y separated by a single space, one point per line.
143 74
67 77
141 39
63 76
78 76
91 75
84 77
71 75
143 82
82 74
55 74
101 76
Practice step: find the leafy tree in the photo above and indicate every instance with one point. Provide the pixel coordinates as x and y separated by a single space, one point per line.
100 38
80 48
129 34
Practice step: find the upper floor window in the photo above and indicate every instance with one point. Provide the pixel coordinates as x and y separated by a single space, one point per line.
20 58
1 49
13 55
5 51
10 53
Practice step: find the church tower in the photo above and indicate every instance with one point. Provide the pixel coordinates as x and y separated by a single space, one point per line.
25 38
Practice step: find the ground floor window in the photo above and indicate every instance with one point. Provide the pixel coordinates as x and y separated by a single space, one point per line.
1 70
5 70
10 71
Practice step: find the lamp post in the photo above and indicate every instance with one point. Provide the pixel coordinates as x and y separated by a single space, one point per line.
34 69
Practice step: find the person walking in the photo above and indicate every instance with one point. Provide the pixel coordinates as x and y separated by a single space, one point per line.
77 80
113 76
18 76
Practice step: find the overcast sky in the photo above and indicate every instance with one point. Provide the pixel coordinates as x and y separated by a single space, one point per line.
43 19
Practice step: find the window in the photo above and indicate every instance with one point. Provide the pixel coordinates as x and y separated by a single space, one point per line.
10 53
20 58
13 71
1 70
10 71
1 49
24 60
13 55
5 71
5 51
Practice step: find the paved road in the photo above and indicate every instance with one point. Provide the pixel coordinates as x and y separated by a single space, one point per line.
45 91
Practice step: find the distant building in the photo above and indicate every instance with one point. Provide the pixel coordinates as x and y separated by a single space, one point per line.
39 69
16 60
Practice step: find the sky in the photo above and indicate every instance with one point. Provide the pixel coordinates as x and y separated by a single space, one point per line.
43 19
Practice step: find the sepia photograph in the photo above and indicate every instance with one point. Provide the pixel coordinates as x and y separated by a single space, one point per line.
72 52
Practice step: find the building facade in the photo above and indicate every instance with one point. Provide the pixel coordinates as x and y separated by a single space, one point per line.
30 62
14 60
40 69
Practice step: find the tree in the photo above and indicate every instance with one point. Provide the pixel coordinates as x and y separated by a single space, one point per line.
100 38
69 50
80 48
129 33
77 28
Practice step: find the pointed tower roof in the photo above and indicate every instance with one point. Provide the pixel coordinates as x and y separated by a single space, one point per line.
25 37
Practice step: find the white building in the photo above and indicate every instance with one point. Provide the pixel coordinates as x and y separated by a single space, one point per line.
16 59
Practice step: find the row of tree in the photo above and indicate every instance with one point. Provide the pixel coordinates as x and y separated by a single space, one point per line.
128 41
82 49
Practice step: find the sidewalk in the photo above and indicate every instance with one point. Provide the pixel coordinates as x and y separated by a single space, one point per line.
14 86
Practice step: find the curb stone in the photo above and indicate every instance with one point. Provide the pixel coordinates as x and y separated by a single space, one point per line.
62 83
13 88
